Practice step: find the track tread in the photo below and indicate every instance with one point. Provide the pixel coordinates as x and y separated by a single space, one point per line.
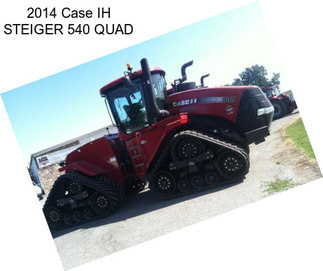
99 184
205 137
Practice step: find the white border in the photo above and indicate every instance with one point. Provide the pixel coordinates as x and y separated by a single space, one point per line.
282 232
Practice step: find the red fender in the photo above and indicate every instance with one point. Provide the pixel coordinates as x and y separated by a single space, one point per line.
84 167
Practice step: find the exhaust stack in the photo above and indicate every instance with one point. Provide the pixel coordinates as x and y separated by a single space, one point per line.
154 113
202 79
183 70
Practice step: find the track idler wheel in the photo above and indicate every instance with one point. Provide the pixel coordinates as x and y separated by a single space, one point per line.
231 164
164 183
197 182
184 186
100 203
54 217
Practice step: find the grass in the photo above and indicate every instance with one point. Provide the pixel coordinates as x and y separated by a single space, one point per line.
297 133
278 185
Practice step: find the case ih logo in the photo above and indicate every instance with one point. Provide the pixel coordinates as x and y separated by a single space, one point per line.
185 102
229 110
224 99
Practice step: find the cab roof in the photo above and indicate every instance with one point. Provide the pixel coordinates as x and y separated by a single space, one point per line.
132 75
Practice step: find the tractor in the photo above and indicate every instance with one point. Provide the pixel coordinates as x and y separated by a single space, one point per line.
283 104
177 141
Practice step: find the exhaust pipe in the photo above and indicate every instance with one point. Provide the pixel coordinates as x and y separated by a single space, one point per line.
183 70
202 79
153 112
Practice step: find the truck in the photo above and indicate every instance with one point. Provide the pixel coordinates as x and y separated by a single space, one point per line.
177 141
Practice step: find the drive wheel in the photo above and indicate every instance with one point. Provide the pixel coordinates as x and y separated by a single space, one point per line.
164 183
54 217
187 148
100 203
231 165
184 186
197 182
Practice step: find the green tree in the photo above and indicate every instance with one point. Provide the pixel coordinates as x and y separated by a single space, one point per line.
256 75
275 79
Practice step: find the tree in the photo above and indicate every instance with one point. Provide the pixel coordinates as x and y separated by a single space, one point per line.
237 82
256 75
275 79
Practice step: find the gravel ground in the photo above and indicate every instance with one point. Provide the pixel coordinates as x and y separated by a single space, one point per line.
143 217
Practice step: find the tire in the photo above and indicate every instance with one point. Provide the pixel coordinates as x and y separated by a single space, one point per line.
280 109
289 107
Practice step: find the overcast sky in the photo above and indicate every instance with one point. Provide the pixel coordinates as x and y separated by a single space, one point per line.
66 105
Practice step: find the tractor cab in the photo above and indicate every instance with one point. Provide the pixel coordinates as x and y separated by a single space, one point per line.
272 92
136 100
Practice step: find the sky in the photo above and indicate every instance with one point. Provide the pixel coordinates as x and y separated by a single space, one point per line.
68 104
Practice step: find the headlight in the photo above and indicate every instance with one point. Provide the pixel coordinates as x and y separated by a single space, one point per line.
263 111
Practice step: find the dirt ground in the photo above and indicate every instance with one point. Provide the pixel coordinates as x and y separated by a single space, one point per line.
289 154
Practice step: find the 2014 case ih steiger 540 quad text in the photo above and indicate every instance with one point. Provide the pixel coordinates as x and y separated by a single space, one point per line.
181 140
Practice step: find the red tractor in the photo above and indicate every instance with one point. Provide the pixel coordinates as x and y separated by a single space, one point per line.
283 103
179 141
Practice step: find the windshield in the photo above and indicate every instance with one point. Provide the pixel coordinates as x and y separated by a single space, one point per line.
273 92
127 107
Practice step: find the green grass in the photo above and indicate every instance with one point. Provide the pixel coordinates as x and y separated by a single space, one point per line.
297 133
278 186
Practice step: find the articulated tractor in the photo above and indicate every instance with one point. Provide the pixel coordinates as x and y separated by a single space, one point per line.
180 140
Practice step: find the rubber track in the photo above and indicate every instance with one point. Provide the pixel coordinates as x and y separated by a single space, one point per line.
218 142
105 186
205 137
